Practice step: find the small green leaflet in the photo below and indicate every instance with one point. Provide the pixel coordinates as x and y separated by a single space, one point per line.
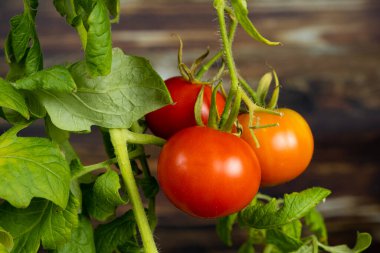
295 206
21 30
363 241
104 197
6 241
112 101
22 47
82 239
12 99
315 223
41 221
241 12
113 7
55 79
32 167
99 43
283 241
116 233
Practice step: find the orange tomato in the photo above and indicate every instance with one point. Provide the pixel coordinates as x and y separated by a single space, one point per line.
285 151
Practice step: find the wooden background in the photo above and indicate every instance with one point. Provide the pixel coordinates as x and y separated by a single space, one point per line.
329 68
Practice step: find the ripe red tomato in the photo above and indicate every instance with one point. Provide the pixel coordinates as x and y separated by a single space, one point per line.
286 150
208 173
170 119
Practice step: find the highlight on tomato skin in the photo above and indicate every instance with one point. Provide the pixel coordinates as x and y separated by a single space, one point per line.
174 117
285 150
208 173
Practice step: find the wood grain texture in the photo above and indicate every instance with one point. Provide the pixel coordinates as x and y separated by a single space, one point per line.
329 68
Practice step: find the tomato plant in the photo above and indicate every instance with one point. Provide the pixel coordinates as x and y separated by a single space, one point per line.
205 171
208 173
170 119
285 150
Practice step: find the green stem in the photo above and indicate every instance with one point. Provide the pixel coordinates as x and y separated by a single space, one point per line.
248 89
219 54
139 138
220 7
93 167
119 138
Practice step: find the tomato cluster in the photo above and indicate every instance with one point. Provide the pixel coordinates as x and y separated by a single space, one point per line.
209 173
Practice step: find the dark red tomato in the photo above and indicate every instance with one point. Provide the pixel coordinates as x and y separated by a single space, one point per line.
170 119
285 151
208 173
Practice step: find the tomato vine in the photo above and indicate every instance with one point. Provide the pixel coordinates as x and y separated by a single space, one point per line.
49 200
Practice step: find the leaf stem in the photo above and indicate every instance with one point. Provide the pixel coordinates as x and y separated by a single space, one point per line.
140 138
93 167
119 138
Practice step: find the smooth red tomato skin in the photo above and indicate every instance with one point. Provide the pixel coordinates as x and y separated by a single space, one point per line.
286 150
208 173
174 117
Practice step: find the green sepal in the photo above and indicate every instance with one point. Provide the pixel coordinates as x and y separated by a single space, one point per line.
213 116
241 13
198 107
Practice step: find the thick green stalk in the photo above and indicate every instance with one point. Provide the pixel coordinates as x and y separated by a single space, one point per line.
219 54
220 7
119 139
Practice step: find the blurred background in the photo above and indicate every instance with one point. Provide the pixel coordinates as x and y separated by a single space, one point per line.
329 69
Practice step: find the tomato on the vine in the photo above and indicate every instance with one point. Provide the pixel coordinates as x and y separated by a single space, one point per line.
208 173
285 150
172 118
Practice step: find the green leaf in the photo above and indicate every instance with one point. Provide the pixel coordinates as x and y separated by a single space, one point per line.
315 222
35 107
306 248
32 167
82 239
224 228
21 31
55 79
149 186
99 43
113 7
113 101
6 240
295 206
363 241
293 229
41 221
56 135
285 242
3 249
22 47
12 99
105 197
131 247
116 233
241 12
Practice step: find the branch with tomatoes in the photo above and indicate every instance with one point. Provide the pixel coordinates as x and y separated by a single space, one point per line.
222 141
